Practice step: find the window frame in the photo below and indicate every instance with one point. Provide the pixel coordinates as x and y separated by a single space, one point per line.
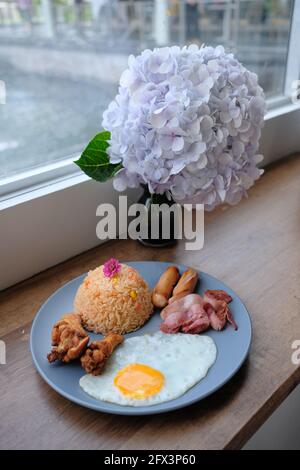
37 178
293 60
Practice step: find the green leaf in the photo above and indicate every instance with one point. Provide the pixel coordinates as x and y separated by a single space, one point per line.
94 160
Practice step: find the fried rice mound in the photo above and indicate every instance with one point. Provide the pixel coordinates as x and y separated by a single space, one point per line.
117 304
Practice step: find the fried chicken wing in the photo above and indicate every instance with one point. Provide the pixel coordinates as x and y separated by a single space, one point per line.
95 357
69 340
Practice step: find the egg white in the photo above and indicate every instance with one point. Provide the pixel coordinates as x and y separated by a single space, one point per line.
183 359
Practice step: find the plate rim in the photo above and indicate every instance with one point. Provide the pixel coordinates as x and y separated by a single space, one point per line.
101 406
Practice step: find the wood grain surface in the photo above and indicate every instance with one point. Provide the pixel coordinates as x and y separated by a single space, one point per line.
254 248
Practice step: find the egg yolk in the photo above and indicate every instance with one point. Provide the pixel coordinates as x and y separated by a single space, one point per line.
139 381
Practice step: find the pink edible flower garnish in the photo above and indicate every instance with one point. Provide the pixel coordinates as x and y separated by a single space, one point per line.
111 267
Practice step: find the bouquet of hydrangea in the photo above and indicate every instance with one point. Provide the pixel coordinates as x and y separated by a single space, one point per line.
186 123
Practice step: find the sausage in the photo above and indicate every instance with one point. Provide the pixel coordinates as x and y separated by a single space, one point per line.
186 284
177 297
163 289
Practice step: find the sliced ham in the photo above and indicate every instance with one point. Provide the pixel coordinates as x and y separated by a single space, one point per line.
219 294
182 304
194 314
216 306
186 313
196 320
172 323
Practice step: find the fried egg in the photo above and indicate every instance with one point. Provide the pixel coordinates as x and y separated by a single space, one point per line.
151 369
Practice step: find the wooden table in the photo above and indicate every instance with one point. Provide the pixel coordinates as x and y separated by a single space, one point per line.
254 247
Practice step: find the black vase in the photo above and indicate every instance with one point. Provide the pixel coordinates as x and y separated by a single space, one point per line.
169 219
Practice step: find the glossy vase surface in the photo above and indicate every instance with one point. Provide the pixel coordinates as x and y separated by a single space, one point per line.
164 220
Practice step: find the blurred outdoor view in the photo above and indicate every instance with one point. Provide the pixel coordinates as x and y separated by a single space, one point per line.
61 61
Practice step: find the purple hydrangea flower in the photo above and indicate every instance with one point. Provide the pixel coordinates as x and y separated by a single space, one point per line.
187 121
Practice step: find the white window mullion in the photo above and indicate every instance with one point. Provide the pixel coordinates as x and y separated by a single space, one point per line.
293 59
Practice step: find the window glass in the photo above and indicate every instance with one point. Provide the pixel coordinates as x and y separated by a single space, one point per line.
60 61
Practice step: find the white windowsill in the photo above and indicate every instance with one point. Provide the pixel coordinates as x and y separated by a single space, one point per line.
39 181
287 107
38 190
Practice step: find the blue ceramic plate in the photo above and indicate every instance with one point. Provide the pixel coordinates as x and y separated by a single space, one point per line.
233 346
